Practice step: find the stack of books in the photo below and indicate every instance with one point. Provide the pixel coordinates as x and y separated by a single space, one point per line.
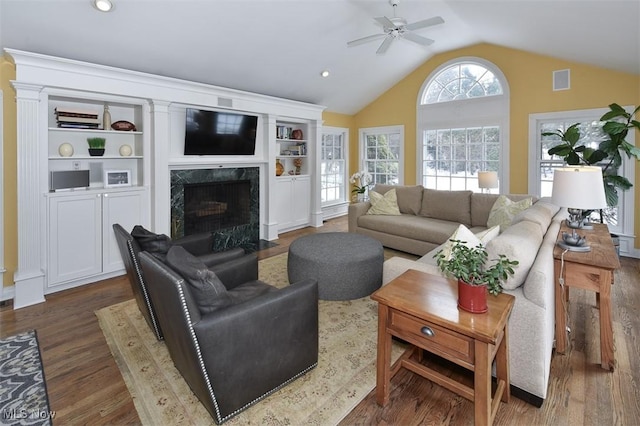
77 119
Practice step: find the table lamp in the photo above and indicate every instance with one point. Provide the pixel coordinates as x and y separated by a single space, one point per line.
577 188
487 180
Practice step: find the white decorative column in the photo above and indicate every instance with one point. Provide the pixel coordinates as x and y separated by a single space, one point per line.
268 185
29 277
315 142
160 176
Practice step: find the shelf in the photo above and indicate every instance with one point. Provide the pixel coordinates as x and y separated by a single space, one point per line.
97 157
291 156
118 132
292 140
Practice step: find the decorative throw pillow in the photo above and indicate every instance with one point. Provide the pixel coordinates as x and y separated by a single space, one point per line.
208 291
155 244
386 204
488 235
504 210
463 234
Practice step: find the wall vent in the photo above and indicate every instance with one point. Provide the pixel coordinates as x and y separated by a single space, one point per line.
225 102
561 80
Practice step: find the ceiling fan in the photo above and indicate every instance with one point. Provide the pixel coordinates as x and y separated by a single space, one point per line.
397 27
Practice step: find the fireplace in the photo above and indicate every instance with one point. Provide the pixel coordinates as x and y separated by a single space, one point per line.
224 201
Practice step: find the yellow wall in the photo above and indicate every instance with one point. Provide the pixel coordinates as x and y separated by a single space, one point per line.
9 169
529 77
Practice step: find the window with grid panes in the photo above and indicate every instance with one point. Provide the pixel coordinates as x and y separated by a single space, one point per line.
333 176
383 153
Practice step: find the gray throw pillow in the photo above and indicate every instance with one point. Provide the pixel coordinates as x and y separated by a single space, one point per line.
206 288
155 244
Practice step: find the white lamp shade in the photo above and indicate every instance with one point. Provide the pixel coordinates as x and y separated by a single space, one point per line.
488 179
578 187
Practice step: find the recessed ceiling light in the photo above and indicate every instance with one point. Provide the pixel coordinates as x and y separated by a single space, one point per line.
324 73
103 5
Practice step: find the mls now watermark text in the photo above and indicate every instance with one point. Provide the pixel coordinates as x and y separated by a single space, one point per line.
21 414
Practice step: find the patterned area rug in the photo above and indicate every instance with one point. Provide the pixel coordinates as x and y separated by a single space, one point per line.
345 373
23 393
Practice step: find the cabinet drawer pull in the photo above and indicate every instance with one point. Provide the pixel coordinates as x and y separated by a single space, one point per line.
427 331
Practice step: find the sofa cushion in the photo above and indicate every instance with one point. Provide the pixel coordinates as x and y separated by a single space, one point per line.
386 204
481 205
504 210
206 288
518 242
541 213
409 196
454 206
410 226
155 244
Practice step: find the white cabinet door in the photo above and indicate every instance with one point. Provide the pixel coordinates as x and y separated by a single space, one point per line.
125 208
75 237
301 201
293 202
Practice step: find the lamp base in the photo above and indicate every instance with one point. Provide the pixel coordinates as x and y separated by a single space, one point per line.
569 247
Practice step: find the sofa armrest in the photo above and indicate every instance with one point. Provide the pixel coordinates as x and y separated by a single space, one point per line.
237 271
216 258
196 244
395 266
355 211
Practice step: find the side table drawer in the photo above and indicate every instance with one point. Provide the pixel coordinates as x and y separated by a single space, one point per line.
441 341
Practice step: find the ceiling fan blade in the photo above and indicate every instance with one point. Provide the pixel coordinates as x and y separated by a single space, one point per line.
384 46
365 39
436 20
385 22
417 38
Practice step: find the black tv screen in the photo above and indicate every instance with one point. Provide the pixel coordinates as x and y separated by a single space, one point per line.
219 133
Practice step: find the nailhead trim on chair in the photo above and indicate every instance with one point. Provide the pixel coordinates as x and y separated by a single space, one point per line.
156 329
194 338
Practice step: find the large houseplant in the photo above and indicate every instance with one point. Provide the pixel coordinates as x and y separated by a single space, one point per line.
615 125
475 274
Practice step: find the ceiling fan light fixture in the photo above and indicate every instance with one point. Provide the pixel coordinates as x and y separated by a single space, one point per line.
103 5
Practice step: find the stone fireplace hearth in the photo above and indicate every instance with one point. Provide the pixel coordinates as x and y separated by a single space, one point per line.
224 201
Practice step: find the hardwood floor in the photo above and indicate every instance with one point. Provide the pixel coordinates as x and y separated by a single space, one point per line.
85 385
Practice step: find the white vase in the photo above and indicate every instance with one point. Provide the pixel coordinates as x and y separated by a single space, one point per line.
106 118
361 197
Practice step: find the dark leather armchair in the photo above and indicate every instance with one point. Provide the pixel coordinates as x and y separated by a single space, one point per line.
198 244
237 354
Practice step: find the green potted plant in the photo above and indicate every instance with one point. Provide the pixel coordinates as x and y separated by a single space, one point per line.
474 273
616 124
96 146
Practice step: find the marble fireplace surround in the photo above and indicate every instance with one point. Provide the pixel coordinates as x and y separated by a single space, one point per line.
245 235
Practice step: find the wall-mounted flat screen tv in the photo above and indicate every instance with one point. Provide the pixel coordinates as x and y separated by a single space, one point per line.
219 133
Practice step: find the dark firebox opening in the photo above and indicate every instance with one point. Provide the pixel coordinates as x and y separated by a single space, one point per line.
212 206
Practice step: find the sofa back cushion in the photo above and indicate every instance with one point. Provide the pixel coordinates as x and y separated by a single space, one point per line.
409 196
155 244
519 242
541 213
454 206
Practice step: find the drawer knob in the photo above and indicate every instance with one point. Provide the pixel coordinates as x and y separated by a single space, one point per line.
427 331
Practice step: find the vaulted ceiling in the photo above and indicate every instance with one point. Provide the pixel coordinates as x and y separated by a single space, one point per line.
280 47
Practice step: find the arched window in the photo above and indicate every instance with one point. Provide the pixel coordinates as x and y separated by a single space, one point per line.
463 118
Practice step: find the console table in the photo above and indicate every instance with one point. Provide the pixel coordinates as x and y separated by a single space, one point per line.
592 270
422 309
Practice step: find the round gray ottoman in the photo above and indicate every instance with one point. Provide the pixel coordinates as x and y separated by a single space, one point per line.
346 265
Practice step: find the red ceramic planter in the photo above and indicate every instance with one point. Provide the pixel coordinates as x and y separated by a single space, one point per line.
472 298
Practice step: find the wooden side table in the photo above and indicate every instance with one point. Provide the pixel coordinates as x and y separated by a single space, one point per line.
592 270
422 309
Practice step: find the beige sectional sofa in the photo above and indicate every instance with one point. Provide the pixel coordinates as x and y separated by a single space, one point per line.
428 219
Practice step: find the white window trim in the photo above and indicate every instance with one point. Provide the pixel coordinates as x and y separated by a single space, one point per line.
377 130
345 132
627 198
444 115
